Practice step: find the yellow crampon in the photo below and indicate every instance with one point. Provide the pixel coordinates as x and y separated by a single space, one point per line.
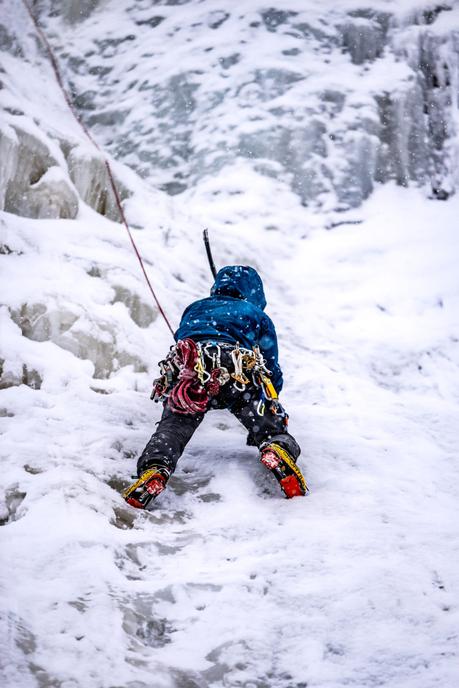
285 456
146 488
143 479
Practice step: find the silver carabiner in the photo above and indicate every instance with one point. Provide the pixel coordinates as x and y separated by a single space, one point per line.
261 407
239 389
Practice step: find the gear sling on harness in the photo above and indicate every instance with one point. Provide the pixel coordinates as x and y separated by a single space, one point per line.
192 374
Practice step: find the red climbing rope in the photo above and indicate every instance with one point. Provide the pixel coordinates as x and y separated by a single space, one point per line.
75 114
188 395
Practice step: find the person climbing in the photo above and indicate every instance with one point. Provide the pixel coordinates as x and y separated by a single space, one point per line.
225 356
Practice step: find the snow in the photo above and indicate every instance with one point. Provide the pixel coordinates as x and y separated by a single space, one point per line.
225 584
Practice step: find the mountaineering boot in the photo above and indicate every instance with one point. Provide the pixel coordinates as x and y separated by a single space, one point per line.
150 484
285 470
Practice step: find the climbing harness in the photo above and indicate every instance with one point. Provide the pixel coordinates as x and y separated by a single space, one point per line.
192 373
111 179
185 383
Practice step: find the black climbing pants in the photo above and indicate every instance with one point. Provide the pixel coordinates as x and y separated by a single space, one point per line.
175 430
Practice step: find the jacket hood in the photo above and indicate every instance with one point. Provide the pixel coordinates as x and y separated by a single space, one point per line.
241 282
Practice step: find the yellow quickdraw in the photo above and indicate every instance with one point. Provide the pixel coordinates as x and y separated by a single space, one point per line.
268 387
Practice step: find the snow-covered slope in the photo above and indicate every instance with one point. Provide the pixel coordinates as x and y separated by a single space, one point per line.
224 584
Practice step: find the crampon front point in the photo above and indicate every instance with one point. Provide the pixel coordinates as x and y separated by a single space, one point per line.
285 470
150 484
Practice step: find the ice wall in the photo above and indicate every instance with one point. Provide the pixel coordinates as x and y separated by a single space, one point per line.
332 98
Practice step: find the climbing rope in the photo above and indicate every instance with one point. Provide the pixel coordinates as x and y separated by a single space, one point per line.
75 114
189 394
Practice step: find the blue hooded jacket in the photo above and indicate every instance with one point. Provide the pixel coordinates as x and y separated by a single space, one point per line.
234 313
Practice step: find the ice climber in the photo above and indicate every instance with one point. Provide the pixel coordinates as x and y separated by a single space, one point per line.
225 356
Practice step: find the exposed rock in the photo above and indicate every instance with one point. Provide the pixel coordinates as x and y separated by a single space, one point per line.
75 10
152 21
217 18
273 17
31 377
14 376
9 42
363 38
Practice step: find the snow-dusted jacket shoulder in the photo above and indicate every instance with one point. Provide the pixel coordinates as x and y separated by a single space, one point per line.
234 313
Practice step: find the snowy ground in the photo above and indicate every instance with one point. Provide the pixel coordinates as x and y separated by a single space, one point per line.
225 584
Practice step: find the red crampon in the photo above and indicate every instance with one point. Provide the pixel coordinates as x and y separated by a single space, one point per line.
284 469
150 484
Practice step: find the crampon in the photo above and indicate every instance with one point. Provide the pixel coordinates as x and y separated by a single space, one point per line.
285 470
150 484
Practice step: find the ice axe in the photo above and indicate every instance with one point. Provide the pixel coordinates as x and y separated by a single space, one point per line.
205 236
